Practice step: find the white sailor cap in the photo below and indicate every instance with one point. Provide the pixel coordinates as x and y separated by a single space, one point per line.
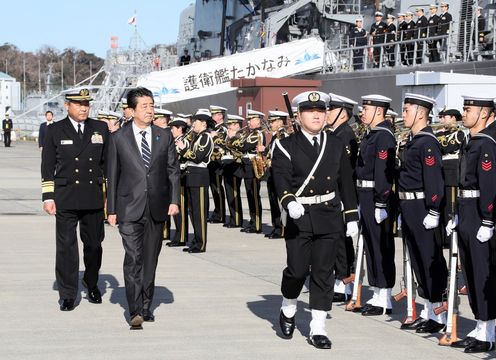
391 113
359 19
432 6
250 114
378 13
376 100
338 101
408 13
391 16
162 113
277 115
215 109
294 109
204 115
233 119
112 115
478 101
360 108
77 94
178 121
443 3
419 9
421 100
124 103
311 100
479 8
400 15
101 114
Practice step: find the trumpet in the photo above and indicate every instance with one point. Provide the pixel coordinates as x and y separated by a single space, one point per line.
186 136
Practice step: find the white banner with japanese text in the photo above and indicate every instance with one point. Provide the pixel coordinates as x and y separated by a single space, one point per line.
214 76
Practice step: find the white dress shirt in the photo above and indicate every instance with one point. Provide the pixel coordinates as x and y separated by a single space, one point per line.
137 135
75 124
310 136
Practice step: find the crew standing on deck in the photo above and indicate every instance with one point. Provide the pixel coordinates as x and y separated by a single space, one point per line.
421 27
72 171
432 31
358 37
378 31
391 38
313 176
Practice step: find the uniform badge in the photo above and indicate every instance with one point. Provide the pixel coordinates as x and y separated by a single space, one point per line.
382 154
314 97
490 207
486 165
96 138
434 198
66 142
430 160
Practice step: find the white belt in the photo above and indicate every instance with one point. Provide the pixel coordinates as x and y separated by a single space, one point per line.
451 157
317 199
365 184
227 157
466 194
411 195
200 165
249 156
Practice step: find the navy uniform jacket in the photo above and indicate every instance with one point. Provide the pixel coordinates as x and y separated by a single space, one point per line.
358 37
401 30
376 161
478 172
7 125
72 170
377 31
421 25
422 168
197 157
451 143
41 134
391 33
409 32
433 25
334 173
347 135
444 24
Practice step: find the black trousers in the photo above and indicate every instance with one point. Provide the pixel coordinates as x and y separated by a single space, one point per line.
426 253
252 187
6 138
478 261
420 53
377 57
378 241
447 209
218 192
345 257
92 233
433 52
391 55
410 53
275 211
233 196
307 251
181 219
358 59
198 200
142 242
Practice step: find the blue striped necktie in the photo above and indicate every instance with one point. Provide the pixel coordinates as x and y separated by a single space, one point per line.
145 150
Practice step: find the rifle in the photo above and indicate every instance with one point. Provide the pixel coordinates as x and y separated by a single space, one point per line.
290 111
355 304
408 286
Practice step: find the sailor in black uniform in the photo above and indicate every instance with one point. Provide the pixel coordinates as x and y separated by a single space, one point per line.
444 25
378 31
421 191
314 177
402 25
421 26
358 37
391 38
432 31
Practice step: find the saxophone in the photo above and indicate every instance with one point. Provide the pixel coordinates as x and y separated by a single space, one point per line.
259 162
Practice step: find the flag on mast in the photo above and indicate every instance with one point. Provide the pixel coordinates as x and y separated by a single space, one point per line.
132 20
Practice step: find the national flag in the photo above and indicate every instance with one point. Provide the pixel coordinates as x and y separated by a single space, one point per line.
132 20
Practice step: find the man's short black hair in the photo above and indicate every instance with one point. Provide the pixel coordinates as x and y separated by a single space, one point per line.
48 112
134 94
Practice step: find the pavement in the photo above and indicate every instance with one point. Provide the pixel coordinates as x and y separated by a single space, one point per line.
222 304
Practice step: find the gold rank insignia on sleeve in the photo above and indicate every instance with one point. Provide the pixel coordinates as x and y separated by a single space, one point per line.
47 186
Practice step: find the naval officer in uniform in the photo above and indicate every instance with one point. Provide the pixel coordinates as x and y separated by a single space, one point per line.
72 171
314 177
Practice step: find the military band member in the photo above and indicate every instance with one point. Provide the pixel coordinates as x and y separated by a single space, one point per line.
421 191
215 167
251 141
313 177
432 31
7 126
476 223
391 38
197 156
72 171
340 111
375 175
421 27
358 37
277 121
378 31
409 34
179 130
233 171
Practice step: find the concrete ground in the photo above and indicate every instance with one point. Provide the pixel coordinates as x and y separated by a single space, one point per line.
222 304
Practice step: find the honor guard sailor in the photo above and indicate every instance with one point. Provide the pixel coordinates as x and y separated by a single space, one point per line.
72 171
314 177
421 191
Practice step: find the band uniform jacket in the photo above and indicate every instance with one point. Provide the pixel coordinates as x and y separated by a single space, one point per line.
451 142
249 150
131 185
197 157
72 169
333 174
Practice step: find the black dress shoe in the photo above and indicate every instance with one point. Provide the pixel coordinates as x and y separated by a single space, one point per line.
413 325
479 347
252 230
287 325
463 343
430 327
276 235
136 322
95 296
195 251
174 244
339 297
231 226
320 341
186 249
376 311
243 229
148 316
67 305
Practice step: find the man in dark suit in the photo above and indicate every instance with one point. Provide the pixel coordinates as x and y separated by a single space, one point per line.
43 128
7 130
143 189
315 225
72 171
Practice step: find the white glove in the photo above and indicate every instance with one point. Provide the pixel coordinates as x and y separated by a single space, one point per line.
352 229
431 221
380 215
451 225
485 233
295 210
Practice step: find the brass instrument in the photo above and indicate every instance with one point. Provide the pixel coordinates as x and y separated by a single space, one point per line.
188 135
259 162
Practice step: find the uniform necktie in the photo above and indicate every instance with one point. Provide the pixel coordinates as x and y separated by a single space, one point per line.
316 144
145 150
80 133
